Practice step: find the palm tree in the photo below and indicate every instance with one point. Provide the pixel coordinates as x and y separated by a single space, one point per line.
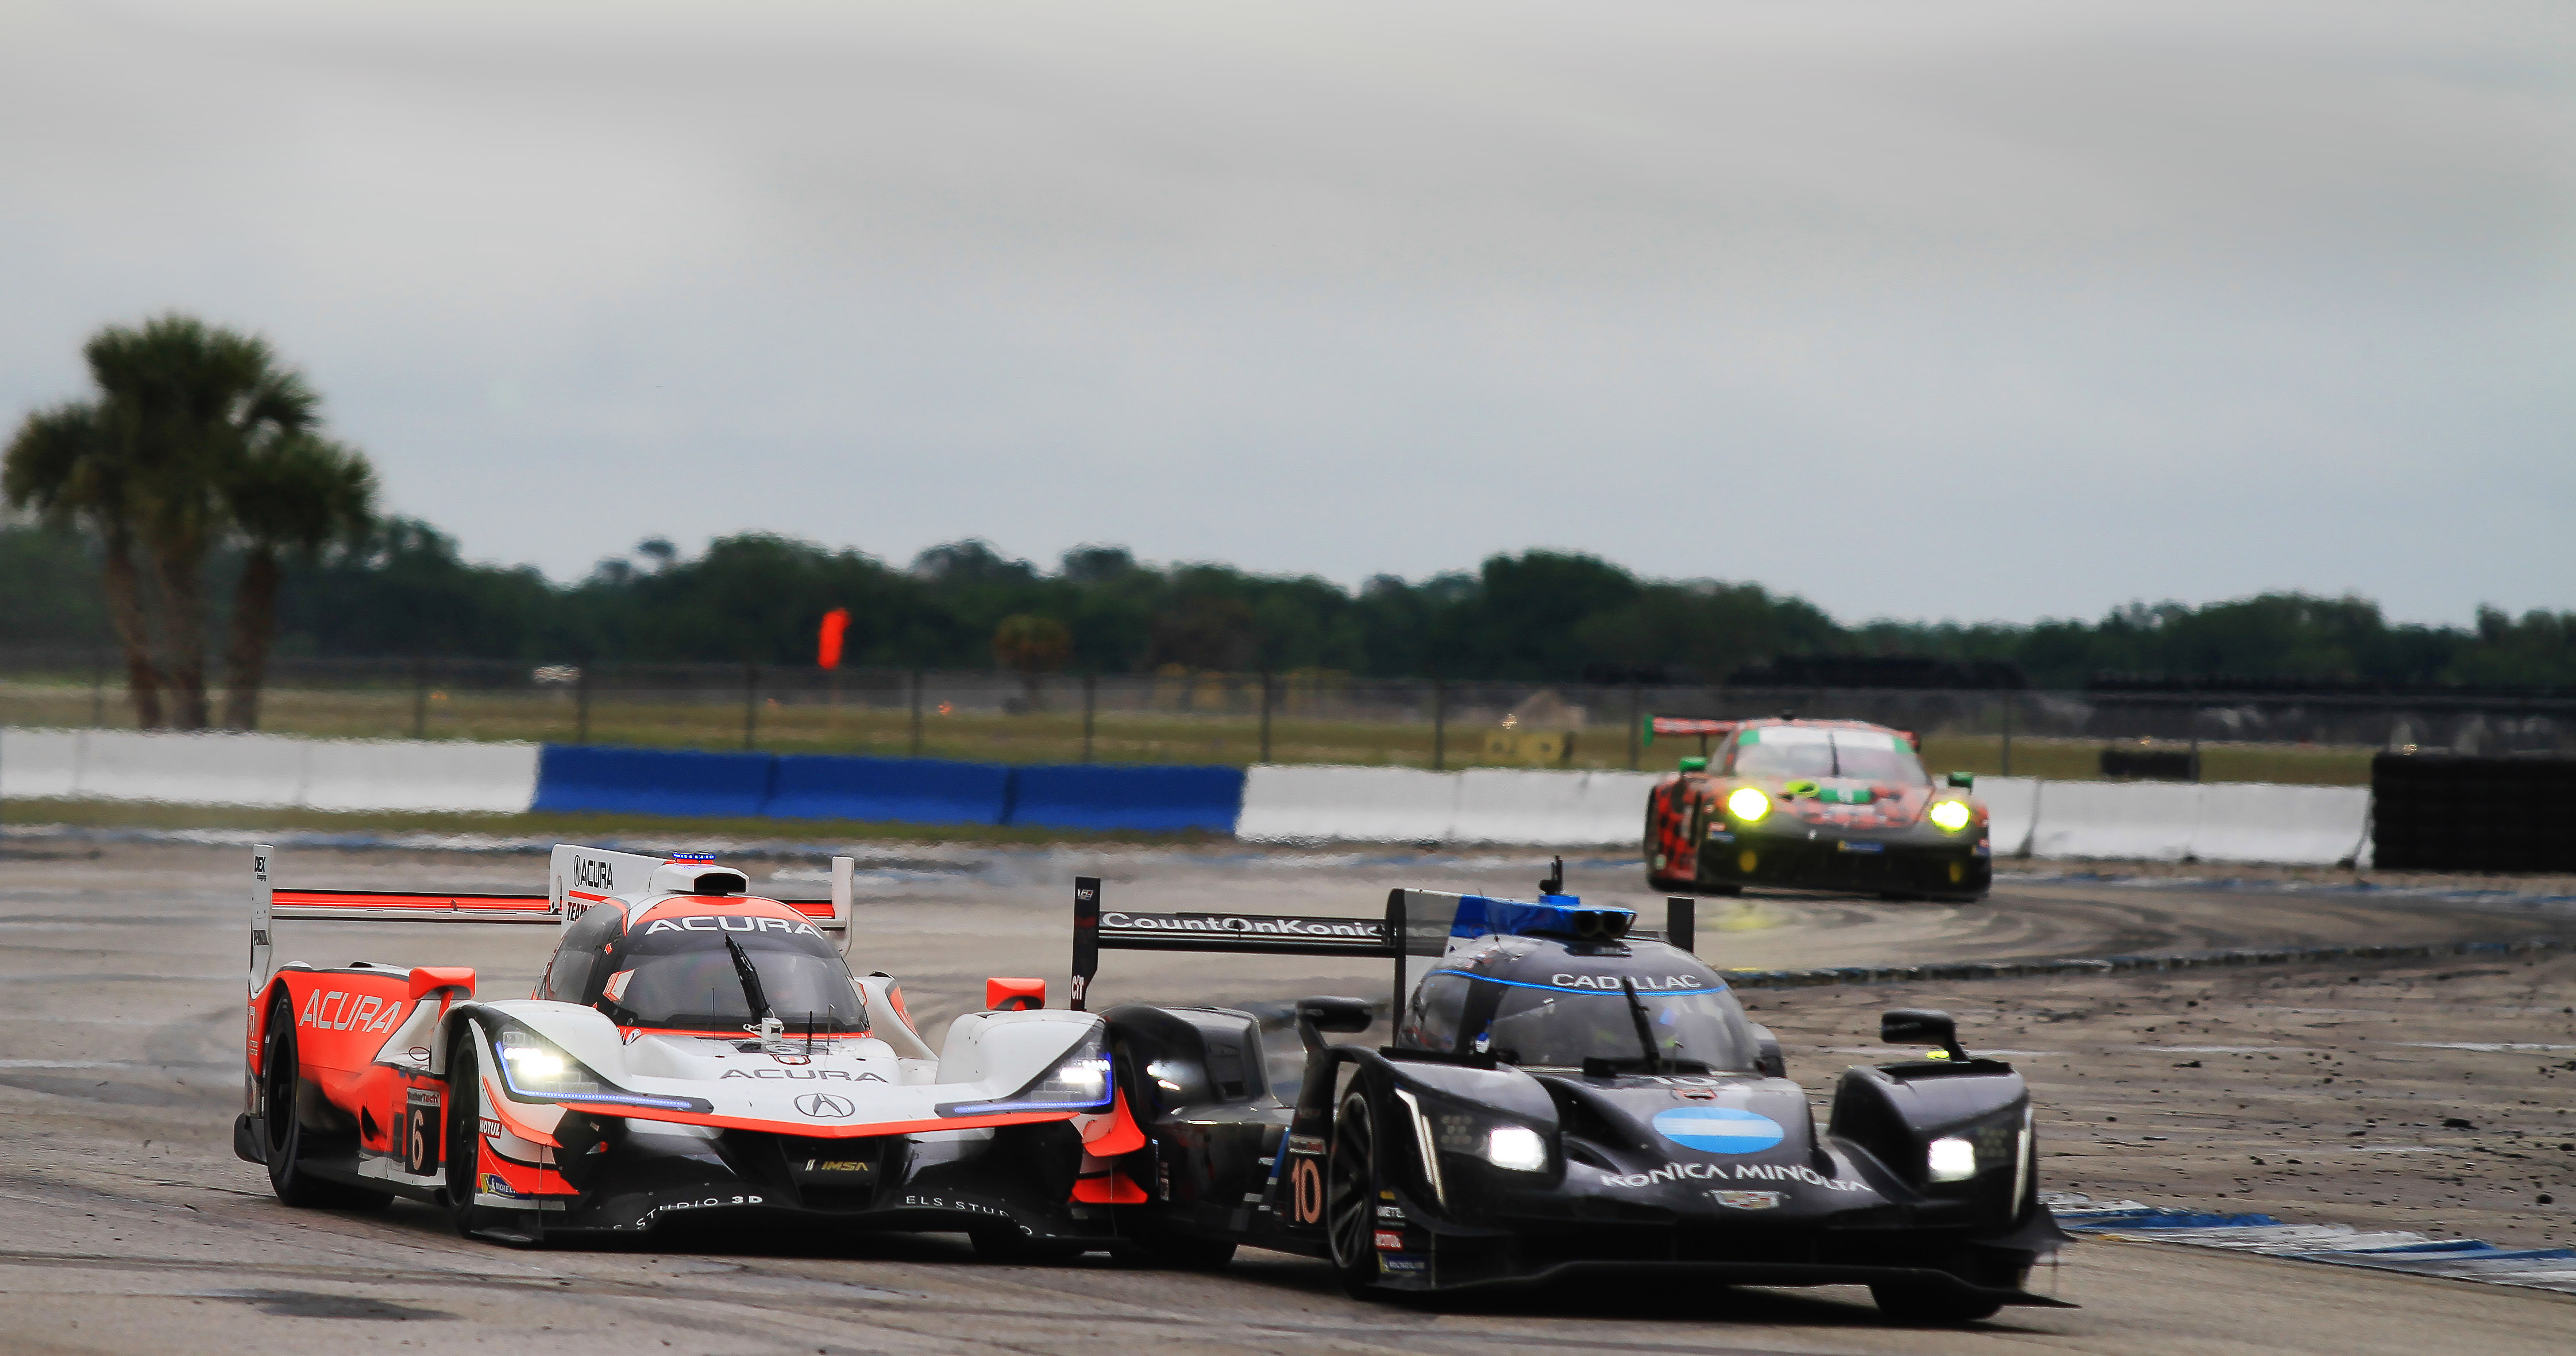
291 493
186 405
65 466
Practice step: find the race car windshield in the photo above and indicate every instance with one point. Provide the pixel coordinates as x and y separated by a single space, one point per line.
1798 751
686 980
1550 1027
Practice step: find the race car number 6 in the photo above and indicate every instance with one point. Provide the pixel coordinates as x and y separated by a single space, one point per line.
1306 1186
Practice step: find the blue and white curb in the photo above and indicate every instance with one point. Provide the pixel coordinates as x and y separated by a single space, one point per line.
2459 1259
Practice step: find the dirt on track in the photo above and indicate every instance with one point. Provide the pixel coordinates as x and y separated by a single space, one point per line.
130 1227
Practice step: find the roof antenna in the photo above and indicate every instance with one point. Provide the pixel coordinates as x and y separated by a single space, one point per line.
1555 882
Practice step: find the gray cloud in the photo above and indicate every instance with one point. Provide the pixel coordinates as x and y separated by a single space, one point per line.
2087 303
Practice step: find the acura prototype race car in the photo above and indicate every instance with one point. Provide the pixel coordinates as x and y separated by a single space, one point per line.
691 1051
1563 1097
1814 804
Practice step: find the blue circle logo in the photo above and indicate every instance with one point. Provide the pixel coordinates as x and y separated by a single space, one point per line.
1718 1129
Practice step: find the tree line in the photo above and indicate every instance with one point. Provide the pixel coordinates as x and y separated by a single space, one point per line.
194 493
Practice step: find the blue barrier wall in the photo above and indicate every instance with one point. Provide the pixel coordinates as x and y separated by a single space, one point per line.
653 781
886 790
1096 796
896 790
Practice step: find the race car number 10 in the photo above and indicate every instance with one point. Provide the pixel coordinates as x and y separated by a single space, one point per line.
1306 1190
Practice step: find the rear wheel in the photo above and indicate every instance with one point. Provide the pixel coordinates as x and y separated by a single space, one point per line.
1351 1179
286 1141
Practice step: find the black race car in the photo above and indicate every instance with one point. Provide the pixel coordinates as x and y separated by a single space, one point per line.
1564 1096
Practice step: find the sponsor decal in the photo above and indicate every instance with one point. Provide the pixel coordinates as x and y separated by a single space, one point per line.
591 873
1746 1200
1305 1144
492 1185
710 1202
1849 846
1390 1240
334 1010
1644 983
489 1127
839 1165
1305 1191
1392 1212
1696 1094
1400 1262
729 922
823 1106
1347 929
1730 1172
1718 1129
844 1075
957 1203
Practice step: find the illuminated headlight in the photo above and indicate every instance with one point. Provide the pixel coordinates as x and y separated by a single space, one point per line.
1952 1159
1748 804
1516 1147
1078 1082
1950 815
530 1064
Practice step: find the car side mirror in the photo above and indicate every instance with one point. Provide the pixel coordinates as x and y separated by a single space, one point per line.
1767 1059
1963 780
1694 764
1921 1026
1335 1014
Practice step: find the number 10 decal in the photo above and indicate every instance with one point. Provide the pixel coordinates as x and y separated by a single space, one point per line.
1306 1190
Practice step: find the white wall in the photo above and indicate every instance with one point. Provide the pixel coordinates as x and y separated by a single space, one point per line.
276 771
2132 821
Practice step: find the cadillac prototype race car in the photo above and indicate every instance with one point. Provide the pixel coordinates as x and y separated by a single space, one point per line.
691 1050
1563 1097
1815 804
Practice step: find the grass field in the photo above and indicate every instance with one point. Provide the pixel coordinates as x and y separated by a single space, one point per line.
719 722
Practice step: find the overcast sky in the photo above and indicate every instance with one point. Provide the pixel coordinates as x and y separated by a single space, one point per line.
1970 310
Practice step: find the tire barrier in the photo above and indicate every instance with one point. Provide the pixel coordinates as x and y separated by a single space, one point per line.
267 771
894 790
2439 812
2122 965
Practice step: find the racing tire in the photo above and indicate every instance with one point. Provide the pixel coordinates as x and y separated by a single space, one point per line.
1352 1177
284 1143
462 1142
1930 1307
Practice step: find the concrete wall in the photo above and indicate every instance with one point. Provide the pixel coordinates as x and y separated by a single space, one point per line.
276 771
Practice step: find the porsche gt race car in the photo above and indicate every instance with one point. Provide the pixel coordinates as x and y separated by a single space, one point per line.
1564 1097
1815 804
691 1050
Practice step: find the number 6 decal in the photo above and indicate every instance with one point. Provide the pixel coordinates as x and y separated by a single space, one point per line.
1306 1187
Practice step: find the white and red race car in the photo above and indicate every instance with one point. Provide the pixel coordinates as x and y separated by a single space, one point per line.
691 1050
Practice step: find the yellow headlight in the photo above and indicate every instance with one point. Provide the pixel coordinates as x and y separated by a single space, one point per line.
1748 804
1952 815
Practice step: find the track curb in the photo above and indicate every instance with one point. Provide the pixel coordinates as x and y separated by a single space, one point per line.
2123 965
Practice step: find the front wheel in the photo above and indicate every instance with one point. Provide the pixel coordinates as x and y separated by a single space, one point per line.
1351 1180
463 1141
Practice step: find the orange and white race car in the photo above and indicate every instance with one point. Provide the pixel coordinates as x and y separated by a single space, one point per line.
691 1050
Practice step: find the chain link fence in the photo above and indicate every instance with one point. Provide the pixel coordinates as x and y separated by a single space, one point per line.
1301 717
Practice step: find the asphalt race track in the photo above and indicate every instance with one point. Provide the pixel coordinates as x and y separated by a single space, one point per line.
126 1225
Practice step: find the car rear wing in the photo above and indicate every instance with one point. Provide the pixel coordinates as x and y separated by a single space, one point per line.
1688 727
577 877
1415 923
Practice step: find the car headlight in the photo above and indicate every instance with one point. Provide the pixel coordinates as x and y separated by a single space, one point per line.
1748 804
531 1064
1516 1147
1949 815
1077 1081
1952 1159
